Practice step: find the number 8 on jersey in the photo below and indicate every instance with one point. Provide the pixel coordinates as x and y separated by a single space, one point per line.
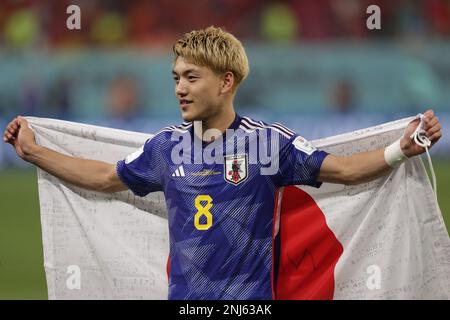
203 211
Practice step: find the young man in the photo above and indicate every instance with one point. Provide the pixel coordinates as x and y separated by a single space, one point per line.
220 212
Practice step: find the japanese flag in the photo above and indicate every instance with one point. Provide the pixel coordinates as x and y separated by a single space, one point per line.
381 240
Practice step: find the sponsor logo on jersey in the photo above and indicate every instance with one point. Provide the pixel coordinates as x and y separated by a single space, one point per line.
206 172
235 168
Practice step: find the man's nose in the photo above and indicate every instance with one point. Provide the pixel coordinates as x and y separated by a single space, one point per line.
180 89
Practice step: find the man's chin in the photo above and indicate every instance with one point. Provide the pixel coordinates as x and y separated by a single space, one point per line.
189 117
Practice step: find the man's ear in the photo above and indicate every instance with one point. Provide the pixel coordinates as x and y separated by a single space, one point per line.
228 82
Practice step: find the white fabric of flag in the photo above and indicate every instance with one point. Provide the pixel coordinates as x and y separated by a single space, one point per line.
395 244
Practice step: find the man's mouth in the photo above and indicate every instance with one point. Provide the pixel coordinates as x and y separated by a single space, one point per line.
184 103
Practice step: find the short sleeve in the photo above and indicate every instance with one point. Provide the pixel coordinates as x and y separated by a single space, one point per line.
141 171
300 163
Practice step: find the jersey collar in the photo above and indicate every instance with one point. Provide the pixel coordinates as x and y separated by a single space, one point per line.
234 125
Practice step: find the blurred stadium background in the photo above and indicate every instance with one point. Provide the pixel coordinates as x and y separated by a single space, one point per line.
314 66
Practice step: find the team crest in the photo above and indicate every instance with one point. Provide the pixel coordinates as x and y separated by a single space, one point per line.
235 168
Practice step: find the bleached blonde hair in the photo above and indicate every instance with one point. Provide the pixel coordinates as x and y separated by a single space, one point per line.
216 49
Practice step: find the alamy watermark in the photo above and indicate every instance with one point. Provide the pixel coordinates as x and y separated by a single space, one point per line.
374 20
259 149
374 280
73 281
73 22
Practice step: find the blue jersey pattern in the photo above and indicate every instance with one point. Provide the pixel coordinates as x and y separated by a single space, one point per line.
221 215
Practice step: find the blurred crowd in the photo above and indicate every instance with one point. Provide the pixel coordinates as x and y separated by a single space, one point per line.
159 22
337 67
330 73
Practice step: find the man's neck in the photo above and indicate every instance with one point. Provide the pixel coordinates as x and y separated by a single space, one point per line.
219 122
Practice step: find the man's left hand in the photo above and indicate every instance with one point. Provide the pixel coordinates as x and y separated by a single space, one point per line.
433 132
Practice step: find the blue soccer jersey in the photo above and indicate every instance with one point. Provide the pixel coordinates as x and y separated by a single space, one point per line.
221 212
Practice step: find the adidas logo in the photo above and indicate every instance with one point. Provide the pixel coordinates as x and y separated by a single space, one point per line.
179 172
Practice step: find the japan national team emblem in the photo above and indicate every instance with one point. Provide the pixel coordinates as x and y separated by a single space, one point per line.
235 168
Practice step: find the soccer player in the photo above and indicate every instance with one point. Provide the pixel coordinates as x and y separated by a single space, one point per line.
221 212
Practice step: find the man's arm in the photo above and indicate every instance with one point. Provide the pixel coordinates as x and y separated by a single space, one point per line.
88 174
366 166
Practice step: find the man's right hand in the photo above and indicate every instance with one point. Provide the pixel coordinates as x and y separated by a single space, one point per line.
84 173
20 136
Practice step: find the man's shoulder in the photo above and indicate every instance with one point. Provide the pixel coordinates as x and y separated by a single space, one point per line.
251 125
183 128
167 132
164 135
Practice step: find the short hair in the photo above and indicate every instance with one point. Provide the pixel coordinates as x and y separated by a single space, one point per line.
216 49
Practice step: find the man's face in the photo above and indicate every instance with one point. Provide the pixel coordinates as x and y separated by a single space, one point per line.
198 90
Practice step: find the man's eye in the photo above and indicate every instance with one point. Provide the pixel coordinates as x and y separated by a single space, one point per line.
192 78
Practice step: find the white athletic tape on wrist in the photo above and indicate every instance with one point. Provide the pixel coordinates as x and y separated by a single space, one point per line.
393 154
